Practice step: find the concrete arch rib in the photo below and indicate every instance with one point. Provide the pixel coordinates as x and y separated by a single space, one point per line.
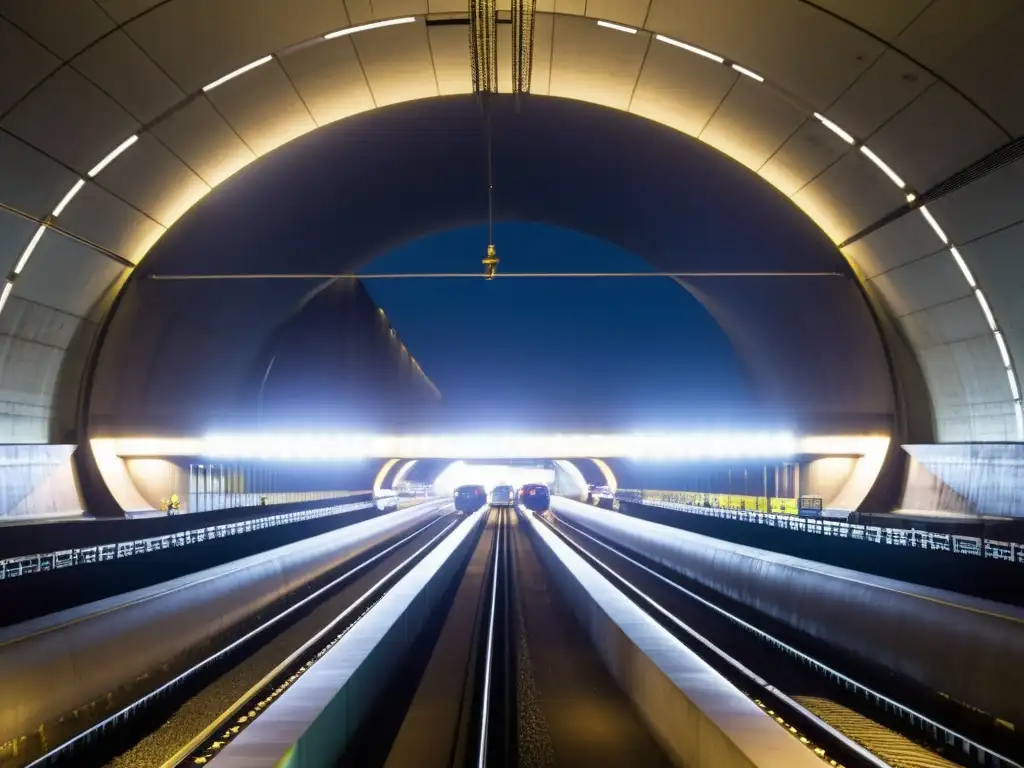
882 75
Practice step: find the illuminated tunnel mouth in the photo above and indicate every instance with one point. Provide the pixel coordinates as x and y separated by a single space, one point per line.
491 474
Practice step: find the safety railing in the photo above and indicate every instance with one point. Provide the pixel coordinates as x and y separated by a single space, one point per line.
1008 551
24 565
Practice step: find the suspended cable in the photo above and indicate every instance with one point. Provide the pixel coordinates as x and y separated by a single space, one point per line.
490 261
490 183
477 275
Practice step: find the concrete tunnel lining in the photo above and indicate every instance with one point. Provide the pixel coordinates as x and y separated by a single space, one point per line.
928 88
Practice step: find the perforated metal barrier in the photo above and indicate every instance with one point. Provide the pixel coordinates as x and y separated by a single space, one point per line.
25 565
898 537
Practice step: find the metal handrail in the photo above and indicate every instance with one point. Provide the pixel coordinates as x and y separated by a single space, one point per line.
24 565
1008 551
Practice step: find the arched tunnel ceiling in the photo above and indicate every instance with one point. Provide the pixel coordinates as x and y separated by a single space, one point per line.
928 85
358 188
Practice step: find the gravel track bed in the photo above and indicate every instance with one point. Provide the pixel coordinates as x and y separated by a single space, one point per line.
535 749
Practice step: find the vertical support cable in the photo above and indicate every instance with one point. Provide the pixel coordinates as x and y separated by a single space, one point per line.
490 184
523 15
483 47
490 261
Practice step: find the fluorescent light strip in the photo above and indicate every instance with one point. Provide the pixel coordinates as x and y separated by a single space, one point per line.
986 309
8 287
1001 343
834 128
885 168
963 266
1019 409
617 27
934 224
690 48
237 72
748 73
28 249
654 447
1014 390
67 198
372 25
110 158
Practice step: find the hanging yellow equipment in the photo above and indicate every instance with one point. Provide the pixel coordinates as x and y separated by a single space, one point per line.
490 263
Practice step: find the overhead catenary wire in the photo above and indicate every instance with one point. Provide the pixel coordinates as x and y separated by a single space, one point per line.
478 276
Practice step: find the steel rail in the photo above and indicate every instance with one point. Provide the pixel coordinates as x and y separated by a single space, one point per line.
243 702
489 653
125 712
803 657
652 606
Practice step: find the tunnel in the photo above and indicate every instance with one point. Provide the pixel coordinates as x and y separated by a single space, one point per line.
225 433
900 149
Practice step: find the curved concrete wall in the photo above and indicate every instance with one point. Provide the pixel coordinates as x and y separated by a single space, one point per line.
38 482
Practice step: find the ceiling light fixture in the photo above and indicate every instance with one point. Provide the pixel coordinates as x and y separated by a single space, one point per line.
1014 390
29 248
934 224
113 155
1003 351
371 25
749 73
986 309
690 48
8 287
67 198
963 266
237 72
834 128
616 27
884 168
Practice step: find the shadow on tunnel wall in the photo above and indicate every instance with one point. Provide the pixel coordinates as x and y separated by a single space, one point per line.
335 364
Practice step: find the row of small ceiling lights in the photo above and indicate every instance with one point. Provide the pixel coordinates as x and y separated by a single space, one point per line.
889 172
911 197
124 145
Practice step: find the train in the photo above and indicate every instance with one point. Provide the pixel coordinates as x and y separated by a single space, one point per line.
535 497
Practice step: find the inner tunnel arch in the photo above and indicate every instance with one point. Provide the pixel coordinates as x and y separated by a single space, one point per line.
926 87
389 162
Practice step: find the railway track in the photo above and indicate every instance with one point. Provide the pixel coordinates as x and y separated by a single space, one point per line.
491 684
204 746
158 723
459 700
816 702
